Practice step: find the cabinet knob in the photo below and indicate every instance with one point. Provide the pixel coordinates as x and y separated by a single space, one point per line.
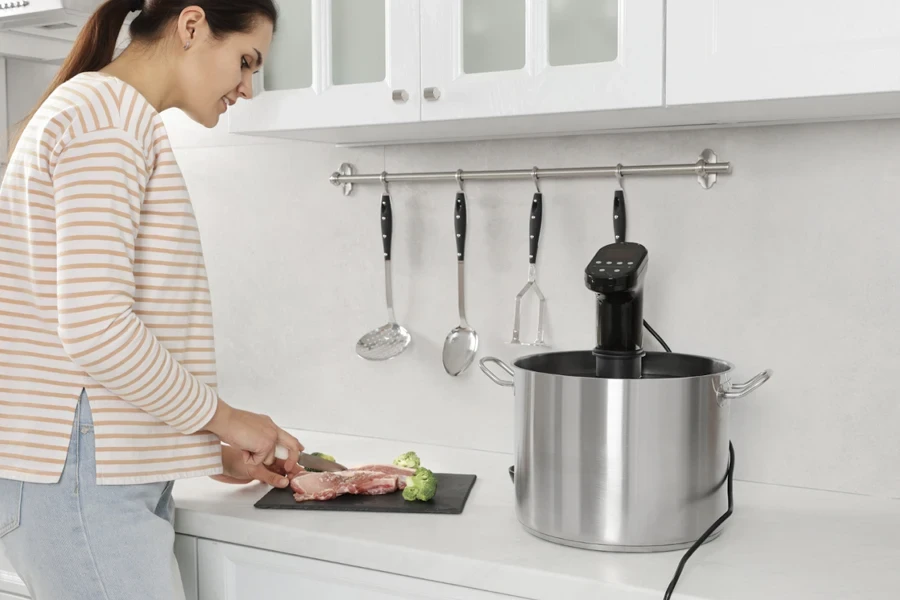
400 96
432 93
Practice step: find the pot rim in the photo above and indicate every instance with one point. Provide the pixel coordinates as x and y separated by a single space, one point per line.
729 366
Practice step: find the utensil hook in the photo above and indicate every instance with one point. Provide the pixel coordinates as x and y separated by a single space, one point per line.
459 179
534 176
619 177
384 182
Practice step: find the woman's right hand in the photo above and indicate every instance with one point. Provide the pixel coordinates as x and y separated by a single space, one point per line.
254 434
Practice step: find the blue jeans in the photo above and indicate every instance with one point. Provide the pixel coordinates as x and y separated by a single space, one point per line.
76 540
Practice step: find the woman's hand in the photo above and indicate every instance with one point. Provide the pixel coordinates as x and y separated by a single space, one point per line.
254 434
236 470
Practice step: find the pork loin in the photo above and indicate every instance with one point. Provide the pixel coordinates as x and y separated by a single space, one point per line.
326 486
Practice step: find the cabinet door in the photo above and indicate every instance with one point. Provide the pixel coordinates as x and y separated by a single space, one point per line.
727 51
336 63
10 582
522 57
229 572
186 553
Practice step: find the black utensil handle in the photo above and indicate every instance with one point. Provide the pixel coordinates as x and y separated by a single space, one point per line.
387 225
459 225
534 226
619 216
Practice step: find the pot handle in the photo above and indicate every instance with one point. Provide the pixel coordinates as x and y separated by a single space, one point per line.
739 390
484 368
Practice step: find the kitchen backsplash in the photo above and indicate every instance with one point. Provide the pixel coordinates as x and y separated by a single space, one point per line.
789 263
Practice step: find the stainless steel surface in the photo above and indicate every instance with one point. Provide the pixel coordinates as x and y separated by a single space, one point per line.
432 93
633 465
400 95
531 283
346 170
483 363
391 339
309 461
706 177
461 343
706 168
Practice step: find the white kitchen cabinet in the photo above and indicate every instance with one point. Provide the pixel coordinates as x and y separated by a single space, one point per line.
230 572
10 582
734 51
336 63
186 553
508 58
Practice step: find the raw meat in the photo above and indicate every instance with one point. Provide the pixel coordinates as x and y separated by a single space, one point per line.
401 472
325 486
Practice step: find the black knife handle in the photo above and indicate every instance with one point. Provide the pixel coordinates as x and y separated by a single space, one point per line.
387 225
534 226
619 216
459 225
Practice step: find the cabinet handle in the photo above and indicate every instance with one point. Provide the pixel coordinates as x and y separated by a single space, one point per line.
400 96
432 93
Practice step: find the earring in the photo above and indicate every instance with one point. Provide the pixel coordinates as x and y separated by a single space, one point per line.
187 44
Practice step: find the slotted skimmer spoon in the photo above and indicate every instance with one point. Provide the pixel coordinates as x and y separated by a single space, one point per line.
462 341
390 339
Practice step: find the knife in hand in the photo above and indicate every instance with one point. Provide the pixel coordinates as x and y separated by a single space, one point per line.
308 461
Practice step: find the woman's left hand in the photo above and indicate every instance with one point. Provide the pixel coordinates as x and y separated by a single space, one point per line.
236 470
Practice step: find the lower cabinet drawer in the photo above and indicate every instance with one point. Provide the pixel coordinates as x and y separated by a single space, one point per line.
230 572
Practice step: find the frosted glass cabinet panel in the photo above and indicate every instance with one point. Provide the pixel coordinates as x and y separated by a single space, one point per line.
336 63
521 57
357 41
290 61
724 51
583 31
493 35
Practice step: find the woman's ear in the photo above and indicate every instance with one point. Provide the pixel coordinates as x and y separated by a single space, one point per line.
192 26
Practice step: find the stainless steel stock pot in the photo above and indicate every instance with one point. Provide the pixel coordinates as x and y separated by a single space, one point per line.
627 465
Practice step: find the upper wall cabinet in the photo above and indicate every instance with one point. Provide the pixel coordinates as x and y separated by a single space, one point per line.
394 71
336 63
733 51
507 58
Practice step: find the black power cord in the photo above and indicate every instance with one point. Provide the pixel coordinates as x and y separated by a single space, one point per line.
709 532
656 335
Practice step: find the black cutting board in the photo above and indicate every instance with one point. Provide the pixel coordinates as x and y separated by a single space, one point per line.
449 499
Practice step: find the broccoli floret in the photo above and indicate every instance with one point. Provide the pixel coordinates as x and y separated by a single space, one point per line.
320 455
409 460
421 486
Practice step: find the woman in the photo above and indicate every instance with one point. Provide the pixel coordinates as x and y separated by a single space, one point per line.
107 374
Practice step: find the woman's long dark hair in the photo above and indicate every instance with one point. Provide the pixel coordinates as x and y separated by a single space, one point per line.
96 43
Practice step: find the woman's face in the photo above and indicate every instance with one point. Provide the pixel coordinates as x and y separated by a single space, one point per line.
215 73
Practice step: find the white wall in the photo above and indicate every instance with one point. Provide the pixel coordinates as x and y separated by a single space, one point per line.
26 81
789 263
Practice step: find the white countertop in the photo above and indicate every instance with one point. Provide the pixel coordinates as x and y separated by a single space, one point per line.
780 542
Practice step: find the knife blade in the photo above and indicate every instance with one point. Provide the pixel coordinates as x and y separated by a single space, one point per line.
308 461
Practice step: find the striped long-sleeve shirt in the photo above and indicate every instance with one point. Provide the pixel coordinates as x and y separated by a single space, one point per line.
103 288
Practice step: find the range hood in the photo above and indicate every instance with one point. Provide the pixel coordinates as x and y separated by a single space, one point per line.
42 30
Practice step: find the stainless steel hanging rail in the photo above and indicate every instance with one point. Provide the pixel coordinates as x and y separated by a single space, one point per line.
705 169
